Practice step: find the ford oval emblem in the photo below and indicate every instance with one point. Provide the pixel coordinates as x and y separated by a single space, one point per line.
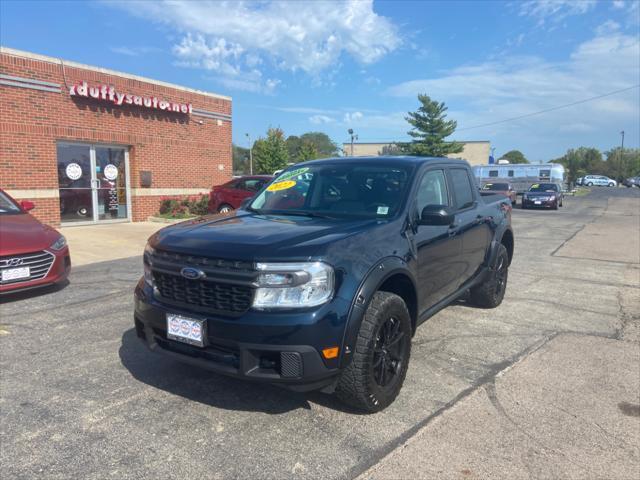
192 273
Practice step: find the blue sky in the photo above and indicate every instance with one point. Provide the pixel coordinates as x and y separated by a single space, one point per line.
330 66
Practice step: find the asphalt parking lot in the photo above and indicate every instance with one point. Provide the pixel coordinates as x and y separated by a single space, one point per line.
82 398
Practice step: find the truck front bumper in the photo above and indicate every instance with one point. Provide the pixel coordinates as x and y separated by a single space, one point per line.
281 352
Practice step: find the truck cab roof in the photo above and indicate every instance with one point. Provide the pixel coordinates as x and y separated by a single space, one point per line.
384 160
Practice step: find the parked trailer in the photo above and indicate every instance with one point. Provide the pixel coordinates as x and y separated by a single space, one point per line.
520 176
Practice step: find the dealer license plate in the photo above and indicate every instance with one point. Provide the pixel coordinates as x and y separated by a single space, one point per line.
185 329
15 273
538 202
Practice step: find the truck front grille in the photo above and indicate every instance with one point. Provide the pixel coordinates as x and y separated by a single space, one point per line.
39 264
220 297
226 288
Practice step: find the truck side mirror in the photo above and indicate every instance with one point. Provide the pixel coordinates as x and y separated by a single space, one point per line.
436 215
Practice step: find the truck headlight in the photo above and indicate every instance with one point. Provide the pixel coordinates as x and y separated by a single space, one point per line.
59 244
293 285
146 261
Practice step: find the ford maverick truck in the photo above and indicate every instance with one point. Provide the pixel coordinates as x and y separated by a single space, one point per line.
320 281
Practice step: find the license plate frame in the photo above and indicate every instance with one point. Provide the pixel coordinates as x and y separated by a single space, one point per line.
18 273
186 329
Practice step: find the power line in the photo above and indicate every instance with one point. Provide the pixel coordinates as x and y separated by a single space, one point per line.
549 109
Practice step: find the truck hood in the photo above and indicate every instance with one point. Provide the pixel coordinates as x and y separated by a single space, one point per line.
246 236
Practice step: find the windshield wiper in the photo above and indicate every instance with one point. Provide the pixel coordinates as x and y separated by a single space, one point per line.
300 213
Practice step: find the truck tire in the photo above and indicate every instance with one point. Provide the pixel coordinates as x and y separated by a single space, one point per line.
375 375
489 294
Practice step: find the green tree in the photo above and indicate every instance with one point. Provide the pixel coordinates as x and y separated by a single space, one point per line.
430 128
270 154
581 161
293 146
515 156
240 159
307 151
324 146
622 163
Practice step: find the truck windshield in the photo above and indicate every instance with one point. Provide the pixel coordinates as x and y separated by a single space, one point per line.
7 206
336 190
544 187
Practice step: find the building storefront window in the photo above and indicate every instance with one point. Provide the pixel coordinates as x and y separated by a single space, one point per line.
93 182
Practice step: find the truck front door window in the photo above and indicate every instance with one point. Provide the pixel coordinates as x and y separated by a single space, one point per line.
432 190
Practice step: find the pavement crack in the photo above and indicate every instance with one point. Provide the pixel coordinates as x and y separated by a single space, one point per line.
494 370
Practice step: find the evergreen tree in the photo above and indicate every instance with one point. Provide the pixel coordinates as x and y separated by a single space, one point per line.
430 128
270 154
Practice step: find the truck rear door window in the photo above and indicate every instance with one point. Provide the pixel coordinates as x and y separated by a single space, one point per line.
493 173
461 188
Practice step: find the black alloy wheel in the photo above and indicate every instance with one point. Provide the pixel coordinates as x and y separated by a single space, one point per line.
388 353
490 292
501 274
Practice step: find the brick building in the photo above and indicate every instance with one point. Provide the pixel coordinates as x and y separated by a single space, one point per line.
88 144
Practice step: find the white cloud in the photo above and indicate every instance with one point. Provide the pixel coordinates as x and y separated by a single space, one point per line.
512 86
618 4
134 51
554 10
233 38
321 119
352 118
607 27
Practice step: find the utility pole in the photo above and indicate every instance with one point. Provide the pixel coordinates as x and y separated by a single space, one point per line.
250 154
622 133
353 137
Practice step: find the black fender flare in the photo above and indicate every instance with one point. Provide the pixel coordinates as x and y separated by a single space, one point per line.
371 283
497 240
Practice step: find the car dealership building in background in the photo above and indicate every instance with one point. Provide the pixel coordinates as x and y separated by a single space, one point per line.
90 145
474 152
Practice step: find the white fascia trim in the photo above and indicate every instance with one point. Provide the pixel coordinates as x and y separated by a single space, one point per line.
155 192
36 193
106 71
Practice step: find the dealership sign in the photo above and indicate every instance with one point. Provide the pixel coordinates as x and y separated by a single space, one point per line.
105 92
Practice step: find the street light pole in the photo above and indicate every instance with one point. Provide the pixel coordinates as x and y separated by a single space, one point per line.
250 154
622 133
353 137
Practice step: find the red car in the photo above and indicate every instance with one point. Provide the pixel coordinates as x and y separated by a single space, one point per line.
503 188
229 196
31 254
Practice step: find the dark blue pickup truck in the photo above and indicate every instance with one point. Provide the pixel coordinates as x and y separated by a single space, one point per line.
320 281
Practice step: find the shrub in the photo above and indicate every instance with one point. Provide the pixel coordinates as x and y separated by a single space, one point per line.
200 206
180 208
167 205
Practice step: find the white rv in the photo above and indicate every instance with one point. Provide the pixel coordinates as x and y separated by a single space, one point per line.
520 175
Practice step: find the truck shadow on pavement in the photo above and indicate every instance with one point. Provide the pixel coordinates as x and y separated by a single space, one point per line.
210 388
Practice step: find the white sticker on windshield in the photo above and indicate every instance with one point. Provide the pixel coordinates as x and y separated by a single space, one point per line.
383 210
